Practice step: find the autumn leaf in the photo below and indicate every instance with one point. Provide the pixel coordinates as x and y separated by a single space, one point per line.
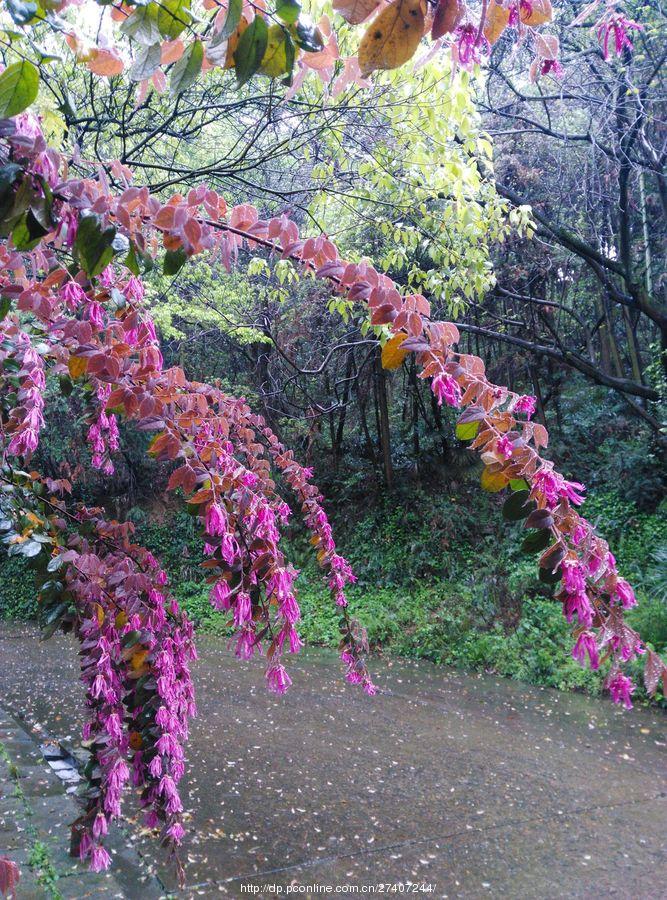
392 355
493 481
278 57
393 37
448 14
497 20
537 12
77 366
355 11
105 62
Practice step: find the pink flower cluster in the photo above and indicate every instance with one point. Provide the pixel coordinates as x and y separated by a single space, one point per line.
615 25
446 388
27 417
127 624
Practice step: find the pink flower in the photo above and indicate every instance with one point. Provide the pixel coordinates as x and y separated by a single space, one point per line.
24 442
96 314
100 826
526 404
134 289
616 25
176 832
245 645
574 577
446 388
242 609
579 605
551 65
216 519
220 595
624 594
72 295
621 689
504 447
579 534
471 45
277 679
554 487
99 859
586 645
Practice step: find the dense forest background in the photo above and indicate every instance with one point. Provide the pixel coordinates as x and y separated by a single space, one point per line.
532 214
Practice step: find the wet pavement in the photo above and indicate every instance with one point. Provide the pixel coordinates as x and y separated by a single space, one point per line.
473 786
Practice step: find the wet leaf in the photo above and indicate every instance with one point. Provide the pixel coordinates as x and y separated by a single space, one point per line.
187 68
392 354
493 481
517 506
19 84
448 14
250 50
355 11
393 37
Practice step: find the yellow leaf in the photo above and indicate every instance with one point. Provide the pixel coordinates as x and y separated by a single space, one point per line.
393 37
232 43
392 355
494 481
274 62
121 619
538 12
497 19
77 366
99 612
138 658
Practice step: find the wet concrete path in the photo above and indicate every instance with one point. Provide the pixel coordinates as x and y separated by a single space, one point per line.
476 786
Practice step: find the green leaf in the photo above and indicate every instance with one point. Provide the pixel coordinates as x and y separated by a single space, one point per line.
174 260
19 84
547 577
8 175
5 306
146 62
279 57
130 639
186 69
66 385
93 246
173 17
539 518
142 25
519 484
536 541
517 506
288 10
131 262
308 36
231 22
467 431
20 11
28 232
30 549
250 50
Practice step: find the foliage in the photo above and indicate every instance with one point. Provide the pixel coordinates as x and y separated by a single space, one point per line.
145 41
